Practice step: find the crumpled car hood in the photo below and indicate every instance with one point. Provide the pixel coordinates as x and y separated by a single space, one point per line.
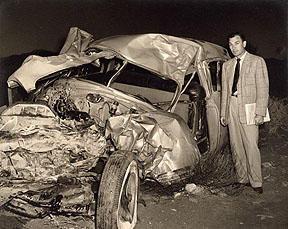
45 162
168 56
36 145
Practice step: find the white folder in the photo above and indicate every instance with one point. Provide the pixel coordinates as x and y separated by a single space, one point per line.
250 114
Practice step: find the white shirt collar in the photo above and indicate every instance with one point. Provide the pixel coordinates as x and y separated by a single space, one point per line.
241 58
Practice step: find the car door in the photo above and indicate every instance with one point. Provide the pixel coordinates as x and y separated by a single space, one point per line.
210 77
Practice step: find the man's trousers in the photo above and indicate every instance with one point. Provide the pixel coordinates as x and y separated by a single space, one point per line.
244 146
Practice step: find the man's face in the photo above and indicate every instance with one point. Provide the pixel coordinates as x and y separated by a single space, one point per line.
237 46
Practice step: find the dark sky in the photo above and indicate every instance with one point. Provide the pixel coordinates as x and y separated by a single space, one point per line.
27 25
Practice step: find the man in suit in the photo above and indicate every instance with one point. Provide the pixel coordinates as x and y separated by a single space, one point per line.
244 81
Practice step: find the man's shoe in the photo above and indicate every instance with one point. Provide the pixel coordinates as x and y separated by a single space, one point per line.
259 190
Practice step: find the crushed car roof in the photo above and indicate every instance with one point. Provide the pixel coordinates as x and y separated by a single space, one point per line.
168 56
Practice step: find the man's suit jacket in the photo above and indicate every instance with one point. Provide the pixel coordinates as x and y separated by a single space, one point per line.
252 86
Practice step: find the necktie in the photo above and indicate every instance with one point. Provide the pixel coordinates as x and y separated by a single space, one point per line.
236 76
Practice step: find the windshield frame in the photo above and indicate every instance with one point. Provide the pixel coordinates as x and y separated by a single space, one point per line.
176 93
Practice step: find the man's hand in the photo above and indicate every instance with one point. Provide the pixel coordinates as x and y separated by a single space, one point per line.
259 120
223 121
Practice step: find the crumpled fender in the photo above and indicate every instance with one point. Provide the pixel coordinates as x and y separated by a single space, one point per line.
162 144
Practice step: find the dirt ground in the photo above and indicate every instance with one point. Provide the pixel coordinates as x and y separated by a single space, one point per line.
247 209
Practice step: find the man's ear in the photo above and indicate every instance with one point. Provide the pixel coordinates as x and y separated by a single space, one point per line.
244 44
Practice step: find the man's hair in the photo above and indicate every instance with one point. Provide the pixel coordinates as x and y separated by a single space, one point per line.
240 34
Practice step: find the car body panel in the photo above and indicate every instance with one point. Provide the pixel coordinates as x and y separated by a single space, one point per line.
162 143
36 67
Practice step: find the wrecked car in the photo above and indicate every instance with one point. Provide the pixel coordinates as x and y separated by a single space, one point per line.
114 110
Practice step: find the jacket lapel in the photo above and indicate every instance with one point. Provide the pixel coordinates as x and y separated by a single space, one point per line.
246 65
230 71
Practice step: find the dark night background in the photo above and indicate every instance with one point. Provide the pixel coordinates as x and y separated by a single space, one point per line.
40 27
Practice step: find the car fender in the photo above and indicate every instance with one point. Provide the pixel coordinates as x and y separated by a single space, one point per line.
162 142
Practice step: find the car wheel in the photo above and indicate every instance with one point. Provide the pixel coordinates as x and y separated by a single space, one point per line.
118 192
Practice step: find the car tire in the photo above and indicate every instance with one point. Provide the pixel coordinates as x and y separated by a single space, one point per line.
118 192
